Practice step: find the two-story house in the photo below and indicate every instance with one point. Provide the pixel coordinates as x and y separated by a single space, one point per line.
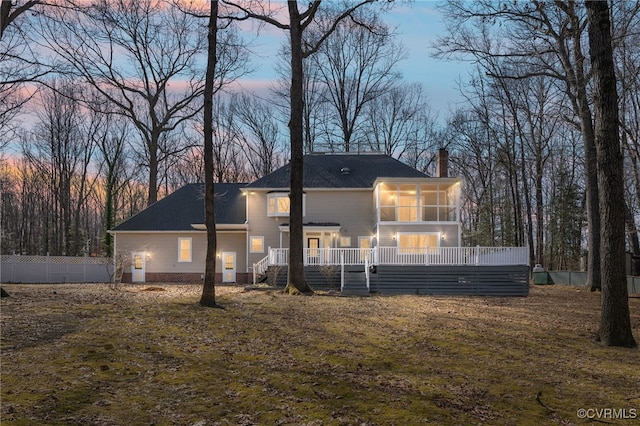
370 222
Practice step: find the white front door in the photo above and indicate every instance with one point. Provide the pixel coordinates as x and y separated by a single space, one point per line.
138 266
228 267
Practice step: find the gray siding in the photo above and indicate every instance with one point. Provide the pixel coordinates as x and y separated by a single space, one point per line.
452 280
352 209
436 280
317 278
162 249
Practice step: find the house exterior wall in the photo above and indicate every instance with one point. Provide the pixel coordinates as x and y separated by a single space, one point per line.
387 232
352 209
162 250
261 225
161 263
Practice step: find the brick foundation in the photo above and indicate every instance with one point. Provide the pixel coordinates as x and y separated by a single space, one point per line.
185 278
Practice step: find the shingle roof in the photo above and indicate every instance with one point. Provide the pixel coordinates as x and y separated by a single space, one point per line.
177 211
341 171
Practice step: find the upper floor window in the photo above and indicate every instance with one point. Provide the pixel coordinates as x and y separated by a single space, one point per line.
279 204
417 202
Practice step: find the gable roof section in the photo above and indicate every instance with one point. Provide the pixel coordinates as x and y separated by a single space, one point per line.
177 211
341 171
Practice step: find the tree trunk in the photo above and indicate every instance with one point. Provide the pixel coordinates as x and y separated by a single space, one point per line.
593 209
107 242
634 242
152 196
591 164
296 280
615 321
208 297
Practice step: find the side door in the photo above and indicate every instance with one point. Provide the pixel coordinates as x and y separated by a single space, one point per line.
138 266
228 267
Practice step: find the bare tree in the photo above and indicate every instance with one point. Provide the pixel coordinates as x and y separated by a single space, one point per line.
10 11
300 48
18 64
395 119
259 134
144 58
356 64
544 39
109 135
61 149
208 297
625 16
615 320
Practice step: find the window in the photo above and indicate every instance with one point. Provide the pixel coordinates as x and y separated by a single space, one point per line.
137 261
417 203
345 241
388 194
407 203
256 245
279 204
417 243
229 261
184 249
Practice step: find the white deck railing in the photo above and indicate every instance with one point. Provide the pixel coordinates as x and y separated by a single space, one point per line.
323 256
407 256
445 256
453 256
260 268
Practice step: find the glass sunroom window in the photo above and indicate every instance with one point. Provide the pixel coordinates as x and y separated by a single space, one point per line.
417 203
437 203
407 203
388 197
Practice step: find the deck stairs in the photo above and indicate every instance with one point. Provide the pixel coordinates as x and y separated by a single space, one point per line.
355 284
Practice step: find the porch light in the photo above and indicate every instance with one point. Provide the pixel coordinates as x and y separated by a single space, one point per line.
394 236
148 256
443 236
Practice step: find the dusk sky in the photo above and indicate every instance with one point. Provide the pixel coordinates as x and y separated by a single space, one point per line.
418 25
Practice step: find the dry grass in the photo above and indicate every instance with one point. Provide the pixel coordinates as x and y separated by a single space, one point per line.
88 355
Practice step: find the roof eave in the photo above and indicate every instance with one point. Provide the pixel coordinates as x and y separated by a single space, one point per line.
221 226
427 179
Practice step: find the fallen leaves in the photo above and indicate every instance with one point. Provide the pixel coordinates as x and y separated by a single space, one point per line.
85 354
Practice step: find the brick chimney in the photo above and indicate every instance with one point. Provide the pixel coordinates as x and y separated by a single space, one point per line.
442 163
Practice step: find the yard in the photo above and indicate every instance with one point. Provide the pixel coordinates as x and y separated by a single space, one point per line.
142 355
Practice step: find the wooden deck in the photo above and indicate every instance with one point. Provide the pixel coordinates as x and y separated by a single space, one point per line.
483 271
510 280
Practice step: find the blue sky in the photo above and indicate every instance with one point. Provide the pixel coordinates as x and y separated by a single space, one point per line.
418 25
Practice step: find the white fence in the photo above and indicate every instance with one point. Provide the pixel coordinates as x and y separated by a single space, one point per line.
55 269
